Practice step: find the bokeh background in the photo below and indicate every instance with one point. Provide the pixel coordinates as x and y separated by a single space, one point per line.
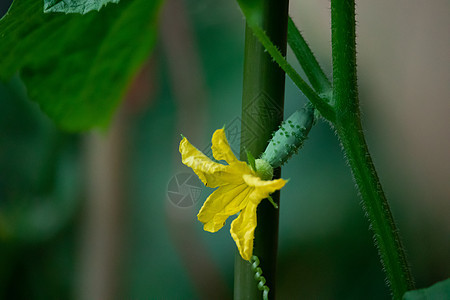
87 216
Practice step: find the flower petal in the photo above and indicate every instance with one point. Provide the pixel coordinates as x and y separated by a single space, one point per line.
263 188
243 230
220 147
212 174
222 151
227 200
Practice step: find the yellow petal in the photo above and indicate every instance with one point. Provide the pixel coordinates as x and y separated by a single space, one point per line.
262 188
220 147
243 230
227 200
212 174
222 151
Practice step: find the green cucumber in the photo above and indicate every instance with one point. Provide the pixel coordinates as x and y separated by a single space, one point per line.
289 138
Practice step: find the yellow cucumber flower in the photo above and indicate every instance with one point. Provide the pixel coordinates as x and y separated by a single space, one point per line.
240 189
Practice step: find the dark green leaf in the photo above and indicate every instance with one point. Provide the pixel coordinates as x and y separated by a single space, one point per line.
77 67
440 290
75 6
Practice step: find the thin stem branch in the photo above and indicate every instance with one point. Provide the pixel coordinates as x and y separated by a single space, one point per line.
253 18
307 60
320 104
349 129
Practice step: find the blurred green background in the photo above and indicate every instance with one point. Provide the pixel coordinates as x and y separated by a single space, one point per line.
87 216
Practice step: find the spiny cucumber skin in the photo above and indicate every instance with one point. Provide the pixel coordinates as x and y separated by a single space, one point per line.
289 138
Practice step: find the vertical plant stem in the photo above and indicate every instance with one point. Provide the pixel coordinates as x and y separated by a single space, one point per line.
262 113
349 129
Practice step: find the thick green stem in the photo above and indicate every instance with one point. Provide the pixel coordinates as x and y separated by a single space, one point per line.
349 129
262 113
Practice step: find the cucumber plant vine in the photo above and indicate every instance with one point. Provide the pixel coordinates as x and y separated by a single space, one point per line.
339 104
268 31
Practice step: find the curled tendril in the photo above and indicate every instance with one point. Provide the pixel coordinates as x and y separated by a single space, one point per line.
259 278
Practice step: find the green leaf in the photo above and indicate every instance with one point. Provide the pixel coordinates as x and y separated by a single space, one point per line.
75 6
440 290
77 67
